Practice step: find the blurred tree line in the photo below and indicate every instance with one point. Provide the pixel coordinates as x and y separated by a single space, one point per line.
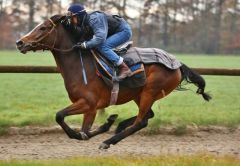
196 26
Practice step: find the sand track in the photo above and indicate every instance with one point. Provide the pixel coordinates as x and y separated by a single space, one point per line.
54 145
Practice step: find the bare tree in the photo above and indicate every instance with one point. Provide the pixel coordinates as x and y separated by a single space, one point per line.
59 6
49 7
234 18
175 21
53 7
215 40
121 6
31 6
77 1
2 9
165 23
207 26
1 6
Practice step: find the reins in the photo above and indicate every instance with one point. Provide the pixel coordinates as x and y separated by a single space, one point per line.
48 47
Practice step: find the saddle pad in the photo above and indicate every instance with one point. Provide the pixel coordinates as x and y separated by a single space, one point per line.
105 72
151 55
136 68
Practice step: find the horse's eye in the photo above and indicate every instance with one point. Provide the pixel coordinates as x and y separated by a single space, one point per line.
43 28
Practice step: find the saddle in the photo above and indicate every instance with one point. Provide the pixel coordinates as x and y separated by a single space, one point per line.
108 72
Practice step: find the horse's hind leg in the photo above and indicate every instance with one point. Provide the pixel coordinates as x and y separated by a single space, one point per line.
124 124
118 137
128 122
104 128
140 122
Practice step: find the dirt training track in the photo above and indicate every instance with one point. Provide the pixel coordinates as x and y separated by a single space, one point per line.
41 144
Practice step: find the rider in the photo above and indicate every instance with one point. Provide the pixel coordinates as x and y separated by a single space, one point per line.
109 31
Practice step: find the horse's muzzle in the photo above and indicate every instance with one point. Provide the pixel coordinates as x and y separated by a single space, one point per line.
19 43
22 47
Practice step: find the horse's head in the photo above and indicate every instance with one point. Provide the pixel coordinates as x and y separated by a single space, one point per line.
42 37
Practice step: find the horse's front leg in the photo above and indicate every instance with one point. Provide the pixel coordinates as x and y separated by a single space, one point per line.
79 107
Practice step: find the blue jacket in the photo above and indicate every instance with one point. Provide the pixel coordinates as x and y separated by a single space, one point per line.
102 25
98 22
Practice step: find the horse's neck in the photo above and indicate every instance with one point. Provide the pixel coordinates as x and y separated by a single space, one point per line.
70 65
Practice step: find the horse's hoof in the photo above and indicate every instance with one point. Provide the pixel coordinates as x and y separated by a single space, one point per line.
112 117
83 136
104 146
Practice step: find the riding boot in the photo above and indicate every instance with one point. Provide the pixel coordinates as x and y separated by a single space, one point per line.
124 71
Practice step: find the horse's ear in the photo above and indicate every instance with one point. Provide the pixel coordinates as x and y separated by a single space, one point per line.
58 18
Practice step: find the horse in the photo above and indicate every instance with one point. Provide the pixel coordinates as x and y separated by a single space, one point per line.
88 98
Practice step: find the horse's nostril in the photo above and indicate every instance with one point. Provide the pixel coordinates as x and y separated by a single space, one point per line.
19 43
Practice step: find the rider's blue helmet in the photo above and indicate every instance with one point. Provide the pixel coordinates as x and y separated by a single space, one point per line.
77 9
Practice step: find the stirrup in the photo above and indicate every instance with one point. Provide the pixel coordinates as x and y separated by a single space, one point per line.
122 49
129 74
125 45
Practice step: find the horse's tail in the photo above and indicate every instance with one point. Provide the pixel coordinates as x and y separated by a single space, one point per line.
192 77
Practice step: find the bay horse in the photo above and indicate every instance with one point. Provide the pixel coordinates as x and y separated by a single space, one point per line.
87 99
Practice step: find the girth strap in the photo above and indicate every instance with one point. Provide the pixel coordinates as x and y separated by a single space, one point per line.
115 82
115 89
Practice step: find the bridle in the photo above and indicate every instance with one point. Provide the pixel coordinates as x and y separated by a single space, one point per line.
52 46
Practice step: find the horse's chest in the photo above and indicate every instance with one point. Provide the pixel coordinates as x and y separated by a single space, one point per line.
74 91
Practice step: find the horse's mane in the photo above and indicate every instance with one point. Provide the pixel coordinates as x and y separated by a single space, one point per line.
57 19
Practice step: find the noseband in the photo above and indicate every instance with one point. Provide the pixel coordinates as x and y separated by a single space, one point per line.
48 47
